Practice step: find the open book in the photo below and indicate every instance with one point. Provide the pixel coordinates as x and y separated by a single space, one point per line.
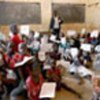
86 47
25 29
94 33
25 60
53 39
74 52
48 90
71 33
97 48
46 67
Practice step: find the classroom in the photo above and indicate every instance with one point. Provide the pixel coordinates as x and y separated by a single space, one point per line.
49 49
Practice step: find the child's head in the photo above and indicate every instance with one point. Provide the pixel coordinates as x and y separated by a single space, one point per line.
14 29
62 35
31 34
35 69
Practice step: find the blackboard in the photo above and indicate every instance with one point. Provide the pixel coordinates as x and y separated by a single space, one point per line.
20 13
70 13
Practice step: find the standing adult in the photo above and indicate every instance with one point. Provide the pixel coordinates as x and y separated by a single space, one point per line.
55 24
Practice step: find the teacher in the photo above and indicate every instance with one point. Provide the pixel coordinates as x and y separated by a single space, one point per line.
55 24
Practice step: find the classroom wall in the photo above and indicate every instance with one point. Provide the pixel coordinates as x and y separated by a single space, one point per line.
91 21
93 13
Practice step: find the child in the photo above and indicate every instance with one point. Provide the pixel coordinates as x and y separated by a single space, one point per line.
63 45
34 46
34 83
54 75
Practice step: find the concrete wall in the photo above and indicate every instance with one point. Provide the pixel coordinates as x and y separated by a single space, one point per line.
92 19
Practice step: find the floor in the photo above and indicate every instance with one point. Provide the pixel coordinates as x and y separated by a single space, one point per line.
84 89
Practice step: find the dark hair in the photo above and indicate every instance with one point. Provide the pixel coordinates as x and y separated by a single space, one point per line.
14 29
62 34
32 32
35 63
88 35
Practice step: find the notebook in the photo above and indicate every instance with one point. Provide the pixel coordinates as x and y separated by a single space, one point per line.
25 60
86 47
48 90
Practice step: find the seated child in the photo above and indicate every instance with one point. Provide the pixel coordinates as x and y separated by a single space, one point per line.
34 83
54 75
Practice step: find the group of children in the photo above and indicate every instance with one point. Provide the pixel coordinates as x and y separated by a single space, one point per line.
25 81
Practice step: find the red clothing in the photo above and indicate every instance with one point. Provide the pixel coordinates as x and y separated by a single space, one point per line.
16 40
88 40
54 74
12 60
33 88
55 71
6 57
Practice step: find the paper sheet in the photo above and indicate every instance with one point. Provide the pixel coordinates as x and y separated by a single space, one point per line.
25 29
46 67
72 69
86 47
97 48
36 35
71 33
41 56
10 34
25 60
84 71
46 47
74 52
94 33
63 63
63 40
83 30
53 39
48 90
